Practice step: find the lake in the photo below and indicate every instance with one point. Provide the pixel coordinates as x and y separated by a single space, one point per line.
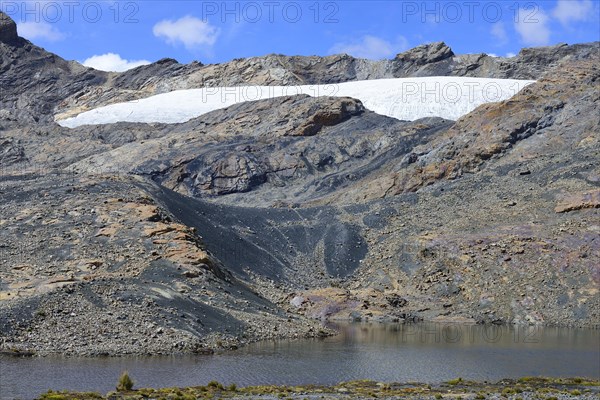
425 352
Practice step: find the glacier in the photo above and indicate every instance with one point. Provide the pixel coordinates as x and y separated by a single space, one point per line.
402 98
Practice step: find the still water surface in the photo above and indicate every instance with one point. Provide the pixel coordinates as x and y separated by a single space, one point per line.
427 353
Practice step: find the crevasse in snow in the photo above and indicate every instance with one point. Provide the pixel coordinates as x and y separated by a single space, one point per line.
402 98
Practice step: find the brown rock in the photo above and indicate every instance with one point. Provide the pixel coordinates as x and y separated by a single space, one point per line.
578 201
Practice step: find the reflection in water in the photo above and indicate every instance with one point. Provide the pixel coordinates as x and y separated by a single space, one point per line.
392 353
456 335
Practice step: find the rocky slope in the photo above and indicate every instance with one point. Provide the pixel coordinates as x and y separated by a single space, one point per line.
96 266
253 221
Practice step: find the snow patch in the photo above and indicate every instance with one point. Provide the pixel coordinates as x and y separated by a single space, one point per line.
403 98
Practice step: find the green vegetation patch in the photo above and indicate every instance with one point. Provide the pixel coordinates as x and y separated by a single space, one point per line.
542 388
64 395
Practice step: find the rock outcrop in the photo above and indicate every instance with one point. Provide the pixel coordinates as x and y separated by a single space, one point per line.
549 112
284 150
8 30
426 60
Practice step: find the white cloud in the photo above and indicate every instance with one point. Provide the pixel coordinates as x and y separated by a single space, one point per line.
492 54
112 62
510 55
567 11
39 30
499 33
371 47
190 31
533 27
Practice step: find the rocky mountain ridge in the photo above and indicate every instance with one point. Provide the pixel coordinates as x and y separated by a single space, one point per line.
435 59
65 88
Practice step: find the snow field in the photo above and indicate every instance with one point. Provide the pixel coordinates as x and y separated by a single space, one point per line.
403 98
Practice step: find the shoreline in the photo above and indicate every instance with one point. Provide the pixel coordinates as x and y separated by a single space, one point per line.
523 388
216 344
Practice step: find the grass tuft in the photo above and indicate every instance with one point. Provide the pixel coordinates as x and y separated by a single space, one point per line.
125 383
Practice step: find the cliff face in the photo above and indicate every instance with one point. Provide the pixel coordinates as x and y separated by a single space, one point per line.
250 221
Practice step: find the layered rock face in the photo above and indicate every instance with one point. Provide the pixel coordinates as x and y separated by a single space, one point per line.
252 221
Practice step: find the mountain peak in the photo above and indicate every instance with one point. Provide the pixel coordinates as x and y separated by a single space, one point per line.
8 29
427 53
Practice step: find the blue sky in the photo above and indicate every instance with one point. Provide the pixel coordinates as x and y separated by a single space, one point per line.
116 35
